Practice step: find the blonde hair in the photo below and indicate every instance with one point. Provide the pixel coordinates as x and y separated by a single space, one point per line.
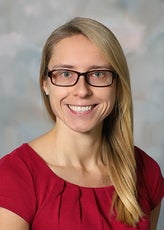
117 134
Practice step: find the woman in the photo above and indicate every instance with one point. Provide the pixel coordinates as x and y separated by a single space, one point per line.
85 173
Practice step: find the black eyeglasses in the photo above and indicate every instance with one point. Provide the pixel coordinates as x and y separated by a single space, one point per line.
96 78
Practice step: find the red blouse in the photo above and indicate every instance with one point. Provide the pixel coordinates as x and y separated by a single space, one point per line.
29 188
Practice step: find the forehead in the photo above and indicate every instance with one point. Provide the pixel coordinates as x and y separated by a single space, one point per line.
77 50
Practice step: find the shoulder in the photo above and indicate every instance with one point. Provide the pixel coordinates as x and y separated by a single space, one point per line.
16 168
18 159
150 181
20 170
23 161
17 192
146 165
14 158
145 161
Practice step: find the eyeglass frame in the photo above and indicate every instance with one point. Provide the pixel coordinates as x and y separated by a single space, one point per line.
79 74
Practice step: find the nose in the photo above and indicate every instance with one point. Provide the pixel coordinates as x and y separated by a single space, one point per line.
82 88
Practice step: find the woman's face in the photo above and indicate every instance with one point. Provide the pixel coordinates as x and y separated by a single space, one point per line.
81 107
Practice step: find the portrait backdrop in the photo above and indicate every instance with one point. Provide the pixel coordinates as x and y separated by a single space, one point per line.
24 28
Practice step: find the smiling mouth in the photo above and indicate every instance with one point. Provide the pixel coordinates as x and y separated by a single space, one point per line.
81 109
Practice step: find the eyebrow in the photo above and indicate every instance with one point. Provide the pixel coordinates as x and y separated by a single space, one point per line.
66 66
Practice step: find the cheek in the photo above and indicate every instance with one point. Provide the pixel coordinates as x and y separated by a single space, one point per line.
113 99
54 101
111 96
109 101
56 97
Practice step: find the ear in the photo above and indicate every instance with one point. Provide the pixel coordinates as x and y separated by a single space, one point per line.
45 87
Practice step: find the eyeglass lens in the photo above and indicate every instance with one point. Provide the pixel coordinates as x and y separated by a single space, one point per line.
97 78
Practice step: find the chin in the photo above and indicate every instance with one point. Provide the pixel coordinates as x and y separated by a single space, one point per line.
80 130
85 130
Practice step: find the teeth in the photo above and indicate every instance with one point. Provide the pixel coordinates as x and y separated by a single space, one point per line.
80 108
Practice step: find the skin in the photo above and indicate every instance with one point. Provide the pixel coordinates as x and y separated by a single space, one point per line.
11 221
78 160
79 131
70 53
154 217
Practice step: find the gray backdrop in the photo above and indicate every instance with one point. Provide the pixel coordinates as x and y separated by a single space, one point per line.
24 27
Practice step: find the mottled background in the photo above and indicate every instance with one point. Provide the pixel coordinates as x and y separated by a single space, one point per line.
24 27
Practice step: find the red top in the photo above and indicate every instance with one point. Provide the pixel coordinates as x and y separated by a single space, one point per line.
29 188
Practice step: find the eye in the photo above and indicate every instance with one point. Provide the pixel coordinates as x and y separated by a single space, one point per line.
65 73
98 74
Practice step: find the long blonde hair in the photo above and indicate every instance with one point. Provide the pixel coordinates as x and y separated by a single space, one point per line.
117 134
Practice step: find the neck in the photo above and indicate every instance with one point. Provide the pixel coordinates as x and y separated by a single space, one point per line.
76 149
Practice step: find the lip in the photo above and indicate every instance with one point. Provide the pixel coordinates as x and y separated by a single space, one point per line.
81 109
